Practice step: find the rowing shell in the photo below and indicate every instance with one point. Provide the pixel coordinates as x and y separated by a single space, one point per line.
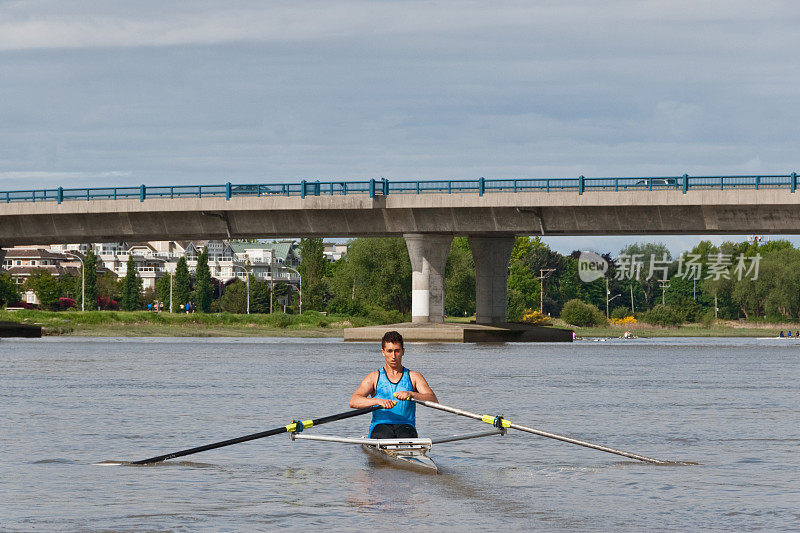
405 453
408 453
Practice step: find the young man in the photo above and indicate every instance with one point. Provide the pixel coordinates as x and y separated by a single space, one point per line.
397 418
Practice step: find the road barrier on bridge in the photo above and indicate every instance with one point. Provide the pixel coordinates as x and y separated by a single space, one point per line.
384 187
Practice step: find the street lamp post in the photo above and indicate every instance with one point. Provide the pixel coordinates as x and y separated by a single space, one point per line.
299 290
664 285
608 300
249 273
543 273
83 280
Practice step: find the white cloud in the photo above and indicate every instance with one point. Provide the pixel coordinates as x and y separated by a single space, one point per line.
43 179
279 91
99 23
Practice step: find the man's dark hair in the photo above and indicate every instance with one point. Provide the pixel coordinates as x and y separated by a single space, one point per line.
391 336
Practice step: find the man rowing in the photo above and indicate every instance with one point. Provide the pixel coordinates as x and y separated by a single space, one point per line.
383 387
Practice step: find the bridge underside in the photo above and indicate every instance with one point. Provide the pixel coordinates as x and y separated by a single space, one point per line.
55 228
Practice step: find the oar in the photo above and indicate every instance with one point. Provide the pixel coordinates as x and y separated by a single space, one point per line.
289 428
489 419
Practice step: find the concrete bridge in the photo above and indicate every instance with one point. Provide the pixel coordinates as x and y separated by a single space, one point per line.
427 214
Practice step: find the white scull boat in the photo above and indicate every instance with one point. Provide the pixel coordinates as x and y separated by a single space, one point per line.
410 453
406 453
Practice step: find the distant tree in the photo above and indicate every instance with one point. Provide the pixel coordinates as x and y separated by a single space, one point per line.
203 288
459 282
70 286
148 297
108 287
234 299
523 290
283 293
259 297
769 247
572 286
182 285
162 289
8 290
45 286
681 294
651 257
376 271
528 258
131 287
776 291
312 272
90 280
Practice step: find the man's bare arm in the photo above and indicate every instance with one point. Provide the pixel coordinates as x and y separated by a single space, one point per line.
362 397
423 390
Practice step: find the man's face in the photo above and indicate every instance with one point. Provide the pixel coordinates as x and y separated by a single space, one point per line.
393 353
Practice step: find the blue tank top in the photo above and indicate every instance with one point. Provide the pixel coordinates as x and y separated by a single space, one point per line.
403 412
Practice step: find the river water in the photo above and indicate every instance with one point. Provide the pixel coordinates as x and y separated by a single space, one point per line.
731 405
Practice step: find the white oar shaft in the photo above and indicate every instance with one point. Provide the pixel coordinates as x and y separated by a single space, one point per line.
588 444
547 434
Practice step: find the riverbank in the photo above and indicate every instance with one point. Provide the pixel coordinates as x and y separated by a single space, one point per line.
148 324
313 324
720 329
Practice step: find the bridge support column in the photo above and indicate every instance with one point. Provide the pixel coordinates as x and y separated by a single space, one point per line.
2 256
491 256
428 253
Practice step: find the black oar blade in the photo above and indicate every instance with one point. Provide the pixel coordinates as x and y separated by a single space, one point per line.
283 429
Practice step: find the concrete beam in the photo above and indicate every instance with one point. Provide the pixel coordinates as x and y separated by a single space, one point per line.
428 253
701 212
491 256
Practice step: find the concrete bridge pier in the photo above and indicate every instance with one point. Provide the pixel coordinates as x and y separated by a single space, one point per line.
491 256
428 253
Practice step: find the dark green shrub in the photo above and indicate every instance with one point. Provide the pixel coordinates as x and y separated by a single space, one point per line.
282 321
578 313
384 316
663 315
708 318
621 312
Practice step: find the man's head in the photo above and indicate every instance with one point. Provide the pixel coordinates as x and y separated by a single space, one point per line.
391 336
392 348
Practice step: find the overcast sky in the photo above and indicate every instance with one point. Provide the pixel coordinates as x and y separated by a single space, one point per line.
97 93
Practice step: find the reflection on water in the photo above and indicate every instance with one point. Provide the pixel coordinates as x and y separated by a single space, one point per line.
73 405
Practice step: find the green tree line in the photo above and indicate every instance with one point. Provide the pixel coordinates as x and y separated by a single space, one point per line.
732 280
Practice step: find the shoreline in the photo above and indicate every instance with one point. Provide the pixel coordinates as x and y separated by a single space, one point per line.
312 325
149 330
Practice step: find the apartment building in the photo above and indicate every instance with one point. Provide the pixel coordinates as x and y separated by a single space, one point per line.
226 260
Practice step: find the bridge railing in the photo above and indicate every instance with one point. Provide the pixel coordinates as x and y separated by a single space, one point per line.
383 187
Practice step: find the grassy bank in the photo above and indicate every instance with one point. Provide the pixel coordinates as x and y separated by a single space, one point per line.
148 324
721 328
313 324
